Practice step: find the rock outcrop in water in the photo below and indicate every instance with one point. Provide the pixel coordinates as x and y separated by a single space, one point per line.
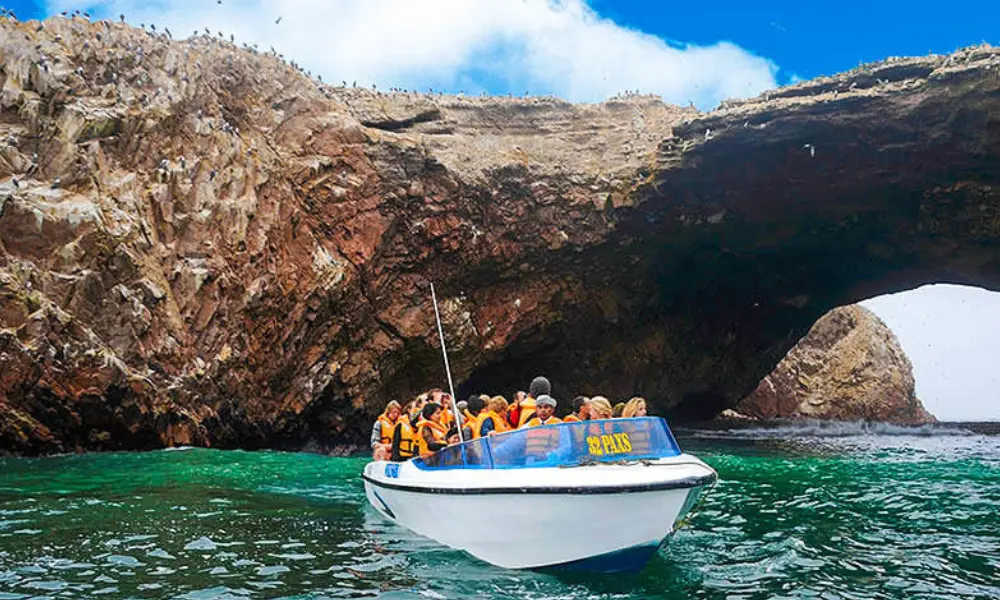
200 245
848 367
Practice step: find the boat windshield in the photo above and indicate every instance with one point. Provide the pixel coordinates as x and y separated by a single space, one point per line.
565 444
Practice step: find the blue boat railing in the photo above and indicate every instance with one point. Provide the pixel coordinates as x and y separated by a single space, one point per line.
565 444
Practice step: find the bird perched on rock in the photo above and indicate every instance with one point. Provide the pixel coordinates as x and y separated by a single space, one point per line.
56 183
16 183
121 17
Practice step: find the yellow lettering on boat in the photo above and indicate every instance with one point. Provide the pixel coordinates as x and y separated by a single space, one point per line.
618 443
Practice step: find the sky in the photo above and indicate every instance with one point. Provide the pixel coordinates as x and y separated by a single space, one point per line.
589 50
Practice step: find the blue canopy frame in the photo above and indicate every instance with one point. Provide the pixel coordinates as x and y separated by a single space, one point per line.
564 444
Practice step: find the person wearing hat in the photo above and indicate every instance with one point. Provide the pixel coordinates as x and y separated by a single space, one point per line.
541 441
545 405
539 387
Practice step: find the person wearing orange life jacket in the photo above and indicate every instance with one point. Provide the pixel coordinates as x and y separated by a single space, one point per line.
540 442
430 431
514 410
545 405
382 430
404 441
581 410
493 418
470 413
447 410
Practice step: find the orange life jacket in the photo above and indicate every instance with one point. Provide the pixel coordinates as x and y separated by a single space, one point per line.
572 418
535 422
386 428
407 442
539 442
527 411
473 423
438 431
499 423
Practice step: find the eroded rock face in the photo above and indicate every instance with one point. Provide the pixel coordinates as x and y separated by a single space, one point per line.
200 245
849 366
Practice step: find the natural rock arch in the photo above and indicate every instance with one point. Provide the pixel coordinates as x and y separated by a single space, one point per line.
271 287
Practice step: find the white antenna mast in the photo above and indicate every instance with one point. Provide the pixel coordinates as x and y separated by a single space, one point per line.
447 369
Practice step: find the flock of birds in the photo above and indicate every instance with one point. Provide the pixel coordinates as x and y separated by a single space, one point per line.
628 94
136 53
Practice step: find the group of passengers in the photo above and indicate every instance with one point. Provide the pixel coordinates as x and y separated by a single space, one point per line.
427 423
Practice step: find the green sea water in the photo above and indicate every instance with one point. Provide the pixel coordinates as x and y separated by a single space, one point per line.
796 514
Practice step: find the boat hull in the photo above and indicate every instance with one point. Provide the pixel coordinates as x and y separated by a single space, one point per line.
596 518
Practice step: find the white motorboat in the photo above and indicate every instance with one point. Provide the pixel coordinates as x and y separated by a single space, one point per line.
594 495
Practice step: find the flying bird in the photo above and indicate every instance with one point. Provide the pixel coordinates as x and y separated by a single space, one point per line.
278 20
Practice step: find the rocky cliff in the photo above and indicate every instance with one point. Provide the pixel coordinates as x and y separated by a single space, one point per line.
849 366
201 245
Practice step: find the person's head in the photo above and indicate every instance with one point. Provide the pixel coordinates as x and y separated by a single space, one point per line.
420 402
434 395
431 411
636 407
617 410
393 410
600 408
452 437
519 397
462 406
476 404
446 401
545 405
498 404
540 386
581 407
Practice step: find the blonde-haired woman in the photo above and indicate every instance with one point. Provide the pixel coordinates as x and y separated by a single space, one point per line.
600 408
636 407
495 418
381 439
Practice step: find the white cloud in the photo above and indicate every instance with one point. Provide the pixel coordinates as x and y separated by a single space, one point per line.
560 47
